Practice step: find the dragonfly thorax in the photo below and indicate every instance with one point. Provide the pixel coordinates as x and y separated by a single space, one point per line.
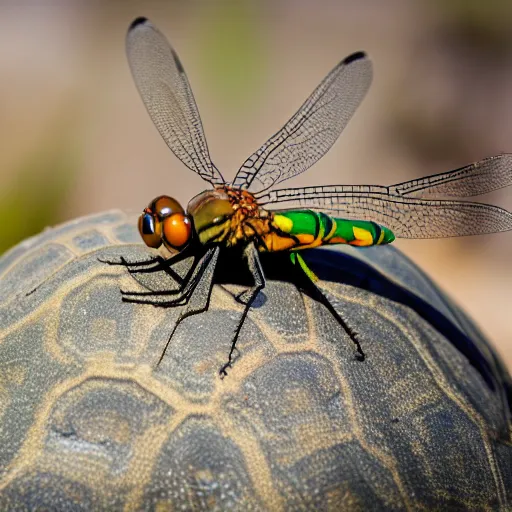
223 214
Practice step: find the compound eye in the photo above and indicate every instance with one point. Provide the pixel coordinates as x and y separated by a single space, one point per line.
165 206
177 230
150 230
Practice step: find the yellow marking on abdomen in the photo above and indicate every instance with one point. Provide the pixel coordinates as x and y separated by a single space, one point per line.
334 227
363 237
283 223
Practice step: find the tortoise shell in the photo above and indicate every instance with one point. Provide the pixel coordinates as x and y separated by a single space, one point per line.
89 421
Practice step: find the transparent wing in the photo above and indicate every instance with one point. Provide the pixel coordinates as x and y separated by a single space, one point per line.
309 134
418 216
164 88
471 180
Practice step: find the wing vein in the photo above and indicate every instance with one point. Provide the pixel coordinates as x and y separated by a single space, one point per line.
312 130
166 93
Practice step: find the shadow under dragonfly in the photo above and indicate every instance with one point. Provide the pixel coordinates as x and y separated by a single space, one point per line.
383 271
377 274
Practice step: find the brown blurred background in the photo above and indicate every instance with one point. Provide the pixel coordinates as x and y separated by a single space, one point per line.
76 138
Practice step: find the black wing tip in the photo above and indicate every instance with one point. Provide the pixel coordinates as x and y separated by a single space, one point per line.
354 56
138 21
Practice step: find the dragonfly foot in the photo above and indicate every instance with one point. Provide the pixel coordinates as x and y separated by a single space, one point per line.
223 372
246 298
324 296
354 336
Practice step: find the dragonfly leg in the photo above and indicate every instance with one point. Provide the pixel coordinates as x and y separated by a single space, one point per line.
246 297
176 297
154 264
158 263
298 260
125 263
198 297
260 242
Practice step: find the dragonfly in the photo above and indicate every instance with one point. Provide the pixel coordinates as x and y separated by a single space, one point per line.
252 215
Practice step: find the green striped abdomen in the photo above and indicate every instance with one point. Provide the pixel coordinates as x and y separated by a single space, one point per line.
313 229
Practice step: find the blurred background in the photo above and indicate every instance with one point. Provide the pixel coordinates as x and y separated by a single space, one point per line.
76 138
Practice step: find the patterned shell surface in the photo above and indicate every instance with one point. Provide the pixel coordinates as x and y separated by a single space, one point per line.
88 422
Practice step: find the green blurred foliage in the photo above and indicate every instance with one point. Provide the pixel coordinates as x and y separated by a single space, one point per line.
230 41
483 24
33 200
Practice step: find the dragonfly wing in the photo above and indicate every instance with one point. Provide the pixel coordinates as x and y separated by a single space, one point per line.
309 134
407 217
166 93
471 180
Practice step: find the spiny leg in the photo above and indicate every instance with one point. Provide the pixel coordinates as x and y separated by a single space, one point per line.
158 260
298 260
125 263
155 264
178 297
162 265
198 298
247 296
184 282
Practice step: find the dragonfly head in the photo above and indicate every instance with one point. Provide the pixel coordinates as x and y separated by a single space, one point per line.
164 222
